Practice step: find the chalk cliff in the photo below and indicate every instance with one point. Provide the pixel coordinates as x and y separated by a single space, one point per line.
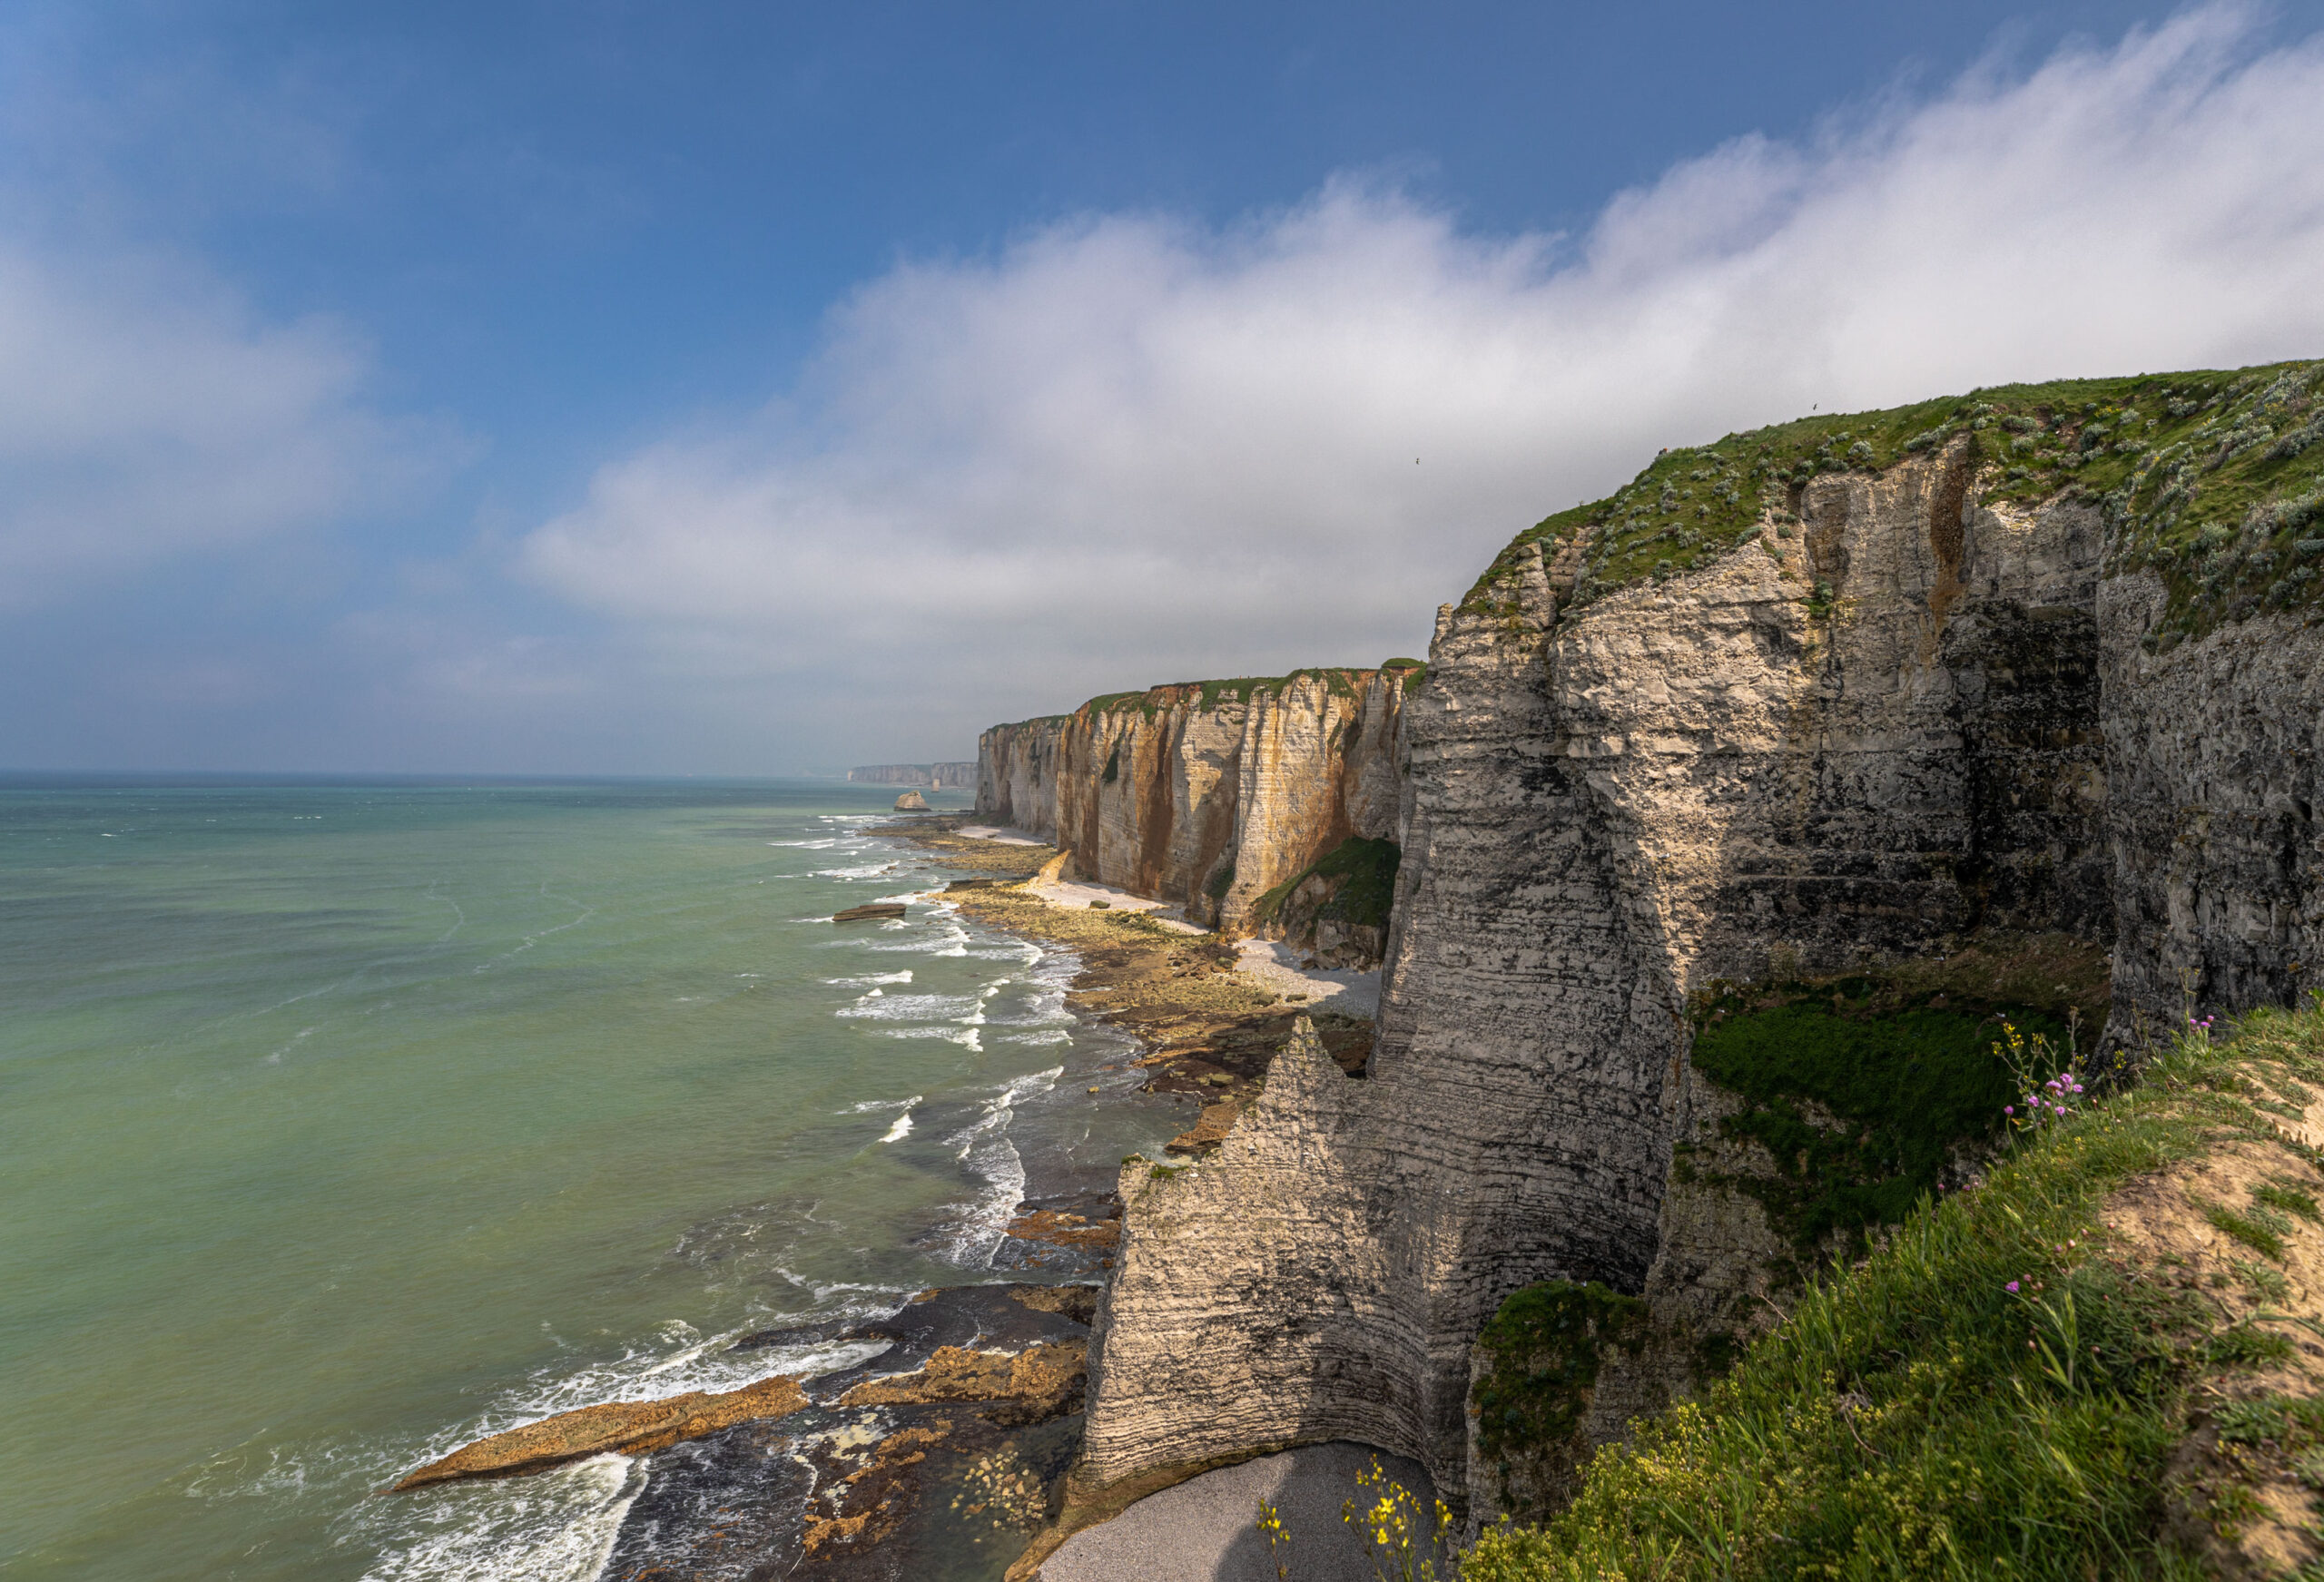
1209 794
1818 699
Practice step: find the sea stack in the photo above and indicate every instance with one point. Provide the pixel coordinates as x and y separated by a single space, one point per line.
911 801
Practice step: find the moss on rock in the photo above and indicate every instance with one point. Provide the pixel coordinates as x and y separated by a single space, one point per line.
1540 1357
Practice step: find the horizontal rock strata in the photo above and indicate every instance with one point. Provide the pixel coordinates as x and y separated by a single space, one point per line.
1208 794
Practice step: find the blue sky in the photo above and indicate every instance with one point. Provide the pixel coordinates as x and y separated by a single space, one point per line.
735 388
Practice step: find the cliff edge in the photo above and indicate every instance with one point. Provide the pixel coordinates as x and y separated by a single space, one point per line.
1790 728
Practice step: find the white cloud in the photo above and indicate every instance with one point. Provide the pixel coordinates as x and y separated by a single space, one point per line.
1130 448
146 416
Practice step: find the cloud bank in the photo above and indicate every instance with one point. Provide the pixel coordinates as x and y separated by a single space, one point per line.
147 417
1132 448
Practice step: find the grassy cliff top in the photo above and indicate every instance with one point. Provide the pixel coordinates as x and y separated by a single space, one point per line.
2059 1372
1240 689
2215 480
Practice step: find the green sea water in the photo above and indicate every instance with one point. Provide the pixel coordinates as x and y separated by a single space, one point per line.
342 1123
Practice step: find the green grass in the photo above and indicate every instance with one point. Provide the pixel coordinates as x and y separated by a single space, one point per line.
1862 1110
1914 1416
1339 680
2212 479
2257 1228
2290 1199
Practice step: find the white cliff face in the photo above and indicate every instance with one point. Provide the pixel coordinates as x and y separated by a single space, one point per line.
1919 719
1208 794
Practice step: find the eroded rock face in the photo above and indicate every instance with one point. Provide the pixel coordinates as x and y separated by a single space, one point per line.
1918 721
1208 794
2213 761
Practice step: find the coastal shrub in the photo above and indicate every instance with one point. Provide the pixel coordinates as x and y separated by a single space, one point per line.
1992 1391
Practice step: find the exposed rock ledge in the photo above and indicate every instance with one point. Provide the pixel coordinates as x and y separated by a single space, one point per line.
626 1428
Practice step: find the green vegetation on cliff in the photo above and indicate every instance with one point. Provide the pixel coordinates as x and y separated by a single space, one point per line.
1239 689
1862 1109
1365 872
2028 1379
2214 480
1541 1353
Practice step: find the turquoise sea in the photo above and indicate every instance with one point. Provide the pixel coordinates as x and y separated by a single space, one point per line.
342 1123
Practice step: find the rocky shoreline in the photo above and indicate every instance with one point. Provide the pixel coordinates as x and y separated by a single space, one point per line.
947 1453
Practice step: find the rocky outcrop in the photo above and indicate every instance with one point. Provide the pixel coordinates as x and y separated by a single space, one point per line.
626 1428
1903 711
1209 794
947 776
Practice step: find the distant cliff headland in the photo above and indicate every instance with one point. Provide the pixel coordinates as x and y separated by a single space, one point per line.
1265 805
1729 819
956 776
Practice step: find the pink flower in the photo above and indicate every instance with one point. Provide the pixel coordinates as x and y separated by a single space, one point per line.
2011 1288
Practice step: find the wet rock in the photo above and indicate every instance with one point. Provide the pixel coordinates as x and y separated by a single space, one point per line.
1075 1234
627 1428
951 1446
1037 1382
869 910
732 1504
1217 1119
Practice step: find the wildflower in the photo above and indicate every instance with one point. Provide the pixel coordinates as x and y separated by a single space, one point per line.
2009 1109
2011 1288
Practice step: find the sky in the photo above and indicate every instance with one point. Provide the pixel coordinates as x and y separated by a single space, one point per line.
735 390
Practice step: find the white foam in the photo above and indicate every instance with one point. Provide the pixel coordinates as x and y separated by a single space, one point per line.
871 980
901 1130
984 1147
965 1036
872 1105
878 1005
555 1526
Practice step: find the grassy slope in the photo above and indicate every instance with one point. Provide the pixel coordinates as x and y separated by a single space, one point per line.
2215 480
1914 1417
